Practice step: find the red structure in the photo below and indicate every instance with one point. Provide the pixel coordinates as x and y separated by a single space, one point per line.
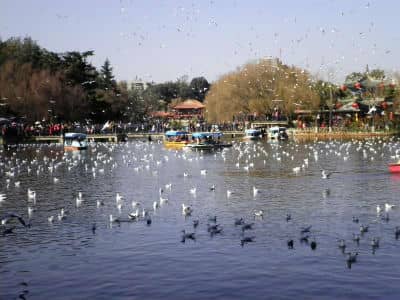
188 109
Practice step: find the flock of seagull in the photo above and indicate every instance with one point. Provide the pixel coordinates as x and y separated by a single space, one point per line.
140 157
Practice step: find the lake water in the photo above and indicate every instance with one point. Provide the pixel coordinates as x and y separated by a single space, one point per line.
132 260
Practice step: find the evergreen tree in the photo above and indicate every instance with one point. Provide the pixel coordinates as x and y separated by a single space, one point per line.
107 80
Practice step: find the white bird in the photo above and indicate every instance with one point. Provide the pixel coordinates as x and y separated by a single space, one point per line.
259 213
17 183
325 175
3 197
228 193
79 201
135 215
168 186
56 180
388 206
31 194
186 210
378 209
203 172
135 204
163 201
50 219
61 215
112 219
155 205
193 191
255 191
118 197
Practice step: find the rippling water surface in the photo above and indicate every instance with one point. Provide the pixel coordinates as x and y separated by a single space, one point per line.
133 260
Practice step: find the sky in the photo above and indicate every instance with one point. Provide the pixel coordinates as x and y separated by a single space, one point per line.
163 40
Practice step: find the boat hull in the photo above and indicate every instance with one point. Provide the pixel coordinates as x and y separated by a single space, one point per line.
175 145
206 147
74 148
394 168
252 138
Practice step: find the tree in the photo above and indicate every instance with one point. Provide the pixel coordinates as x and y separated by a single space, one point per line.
255 87
199 87
377 74
354 77
106 79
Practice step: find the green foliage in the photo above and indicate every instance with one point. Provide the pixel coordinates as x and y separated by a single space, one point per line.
377 74
106 78
40 84
199 87
354 77
159 96
176 125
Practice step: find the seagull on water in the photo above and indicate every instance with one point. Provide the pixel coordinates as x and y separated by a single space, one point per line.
186 210
259 213
325 175
389 207
255 191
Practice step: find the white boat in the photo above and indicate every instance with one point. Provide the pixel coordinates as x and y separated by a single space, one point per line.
277 133
253 134
75 141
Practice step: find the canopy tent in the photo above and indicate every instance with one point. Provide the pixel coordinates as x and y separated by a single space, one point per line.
4 121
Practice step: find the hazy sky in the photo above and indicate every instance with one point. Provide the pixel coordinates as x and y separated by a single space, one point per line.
163 40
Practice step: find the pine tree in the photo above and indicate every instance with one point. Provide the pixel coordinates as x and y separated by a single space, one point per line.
107 80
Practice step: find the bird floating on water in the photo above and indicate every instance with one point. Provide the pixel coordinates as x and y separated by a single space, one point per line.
325 174
259 213
247 239
186 210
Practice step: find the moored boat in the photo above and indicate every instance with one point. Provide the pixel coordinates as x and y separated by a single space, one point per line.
277 133
253 134
394 167
75 141
174 139
207 141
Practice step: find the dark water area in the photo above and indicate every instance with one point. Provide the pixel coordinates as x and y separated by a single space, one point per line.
65 259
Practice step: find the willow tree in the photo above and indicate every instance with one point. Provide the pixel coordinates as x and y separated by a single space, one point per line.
255 87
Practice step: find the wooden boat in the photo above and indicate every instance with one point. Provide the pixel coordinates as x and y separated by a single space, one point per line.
207 141
75 141
394 167
174 139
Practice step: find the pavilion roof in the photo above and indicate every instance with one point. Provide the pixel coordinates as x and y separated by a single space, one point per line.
190 104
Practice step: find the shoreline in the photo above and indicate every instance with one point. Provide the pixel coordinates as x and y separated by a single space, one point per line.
294 134
339 135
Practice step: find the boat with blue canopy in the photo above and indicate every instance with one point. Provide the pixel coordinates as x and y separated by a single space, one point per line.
75 141
253 134
207 141
175 139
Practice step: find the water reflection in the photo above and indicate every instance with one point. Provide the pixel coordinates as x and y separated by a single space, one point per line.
295 239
